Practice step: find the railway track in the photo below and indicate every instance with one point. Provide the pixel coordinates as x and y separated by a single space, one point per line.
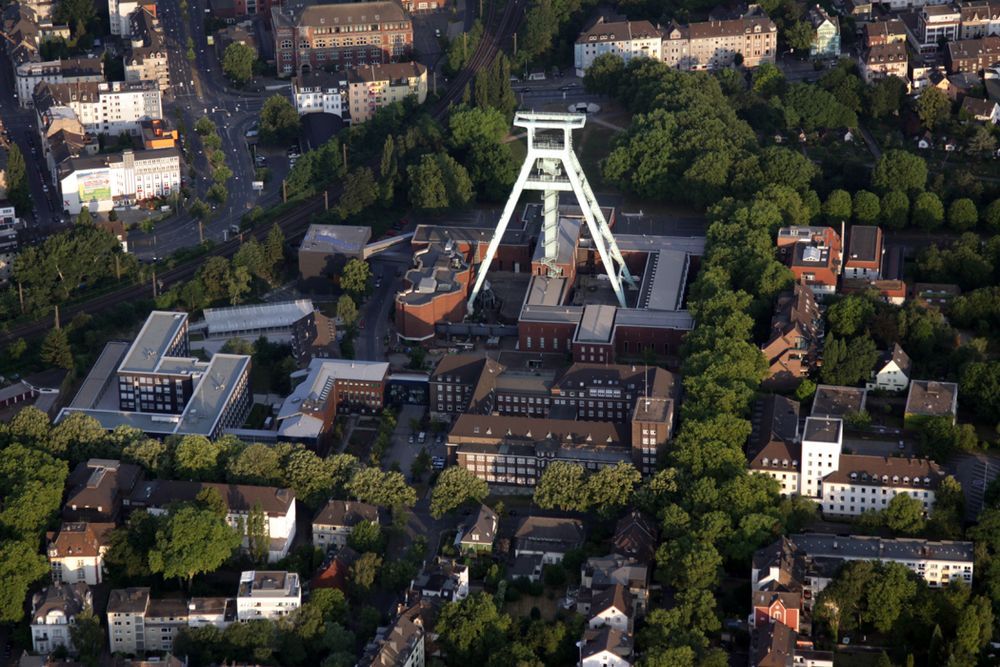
296 222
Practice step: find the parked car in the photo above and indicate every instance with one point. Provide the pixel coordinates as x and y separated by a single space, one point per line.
422 437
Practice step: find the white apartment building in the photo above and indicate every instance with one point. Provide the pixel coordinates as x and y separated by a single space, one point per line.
76 552
822 441
625 39
937 563
77 70
103 108
100 182
320 92
53 613
139 623
865 483
336 520
118 13
892 371
267 594
277 505
900 5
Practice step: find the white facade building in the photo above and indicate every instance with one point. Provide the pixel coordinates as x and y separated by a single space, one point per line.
267 594
76 552
320 92
625 39
78 70
100 181
118 14
822 440
104 108
892 371
866 483
53 612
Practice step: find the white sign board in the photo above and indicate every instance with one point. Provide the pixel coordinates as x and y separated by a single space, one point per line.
257 186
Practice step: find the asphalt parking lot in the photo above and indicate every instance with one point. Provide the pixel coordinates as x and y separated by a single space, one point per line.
402 451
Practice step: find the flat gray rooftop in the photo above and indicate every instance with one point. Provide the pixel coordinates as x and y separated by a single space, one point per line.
820 429
212 393
855 546
680 320
545 291
833 401
663 280
567 238
336 239
564 314
154 338
280 315
694 245
596 324
100 375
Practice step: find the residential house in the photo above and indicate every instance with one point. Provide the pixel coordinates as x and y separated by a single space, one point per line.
891 31
979 18
97 488
985 111
815 256
549 537
777 645
881 61
775 447
973 55
753 38
76 552
625 39
892 370
601 572
267 595
612 606
138 623
277 506
863 483
443 579
333 524
334 570
373 87
793 349
401 644
864 253
479 531
320 92
636 537
605 647
826 41
889 291
928 398
53 613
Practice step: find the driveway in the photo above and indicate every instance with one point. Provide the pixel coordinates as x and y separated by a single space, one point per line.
400 450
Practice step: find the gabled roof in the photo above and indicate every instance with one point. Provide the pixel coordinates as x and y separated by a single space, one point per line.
636 536
616 596
78 539
481 527
273 501
347 513
545 533
897 355
597 641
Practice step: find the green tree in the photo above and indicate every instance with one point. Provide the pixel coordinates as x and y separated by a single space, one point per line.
237 62
151 454
562 486
455 487
472 630
364 573
56 350
347 312
850 315
274 248
238 284
17 349
900 171
982 380
198 458
991 216
88 637
847 363
360 191
366 536
866 207
471 125
605 74
388 489
279 122
18 190
258 535
933 107
888 594
257 464
928 211
895 210
192 541
20 566
948 512
611 488
905 514
84 218
438 183
354 277
837 207
886 97
962 215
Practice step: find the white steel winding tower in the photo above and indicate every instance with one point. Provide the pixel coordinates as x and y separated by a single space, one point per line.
552 167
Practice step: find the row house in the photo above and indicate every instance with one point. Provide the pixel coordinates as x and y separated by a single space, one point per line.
880 61
973 55
980 18
339 36
138 622
110 108
146 58
375 86
795 343
625 39
864 483
753 38
74 71
777 645
320 92
879 33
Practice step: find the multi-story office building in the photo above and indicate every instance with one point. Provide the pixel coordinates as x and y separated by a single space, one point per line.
277 506
101 182
152 386
339 36
267 595
372 87
331 386
625 39
935 24
716 44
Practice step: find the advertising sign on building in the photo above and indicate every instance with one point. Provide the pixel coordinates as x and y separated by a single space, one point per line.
94 185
